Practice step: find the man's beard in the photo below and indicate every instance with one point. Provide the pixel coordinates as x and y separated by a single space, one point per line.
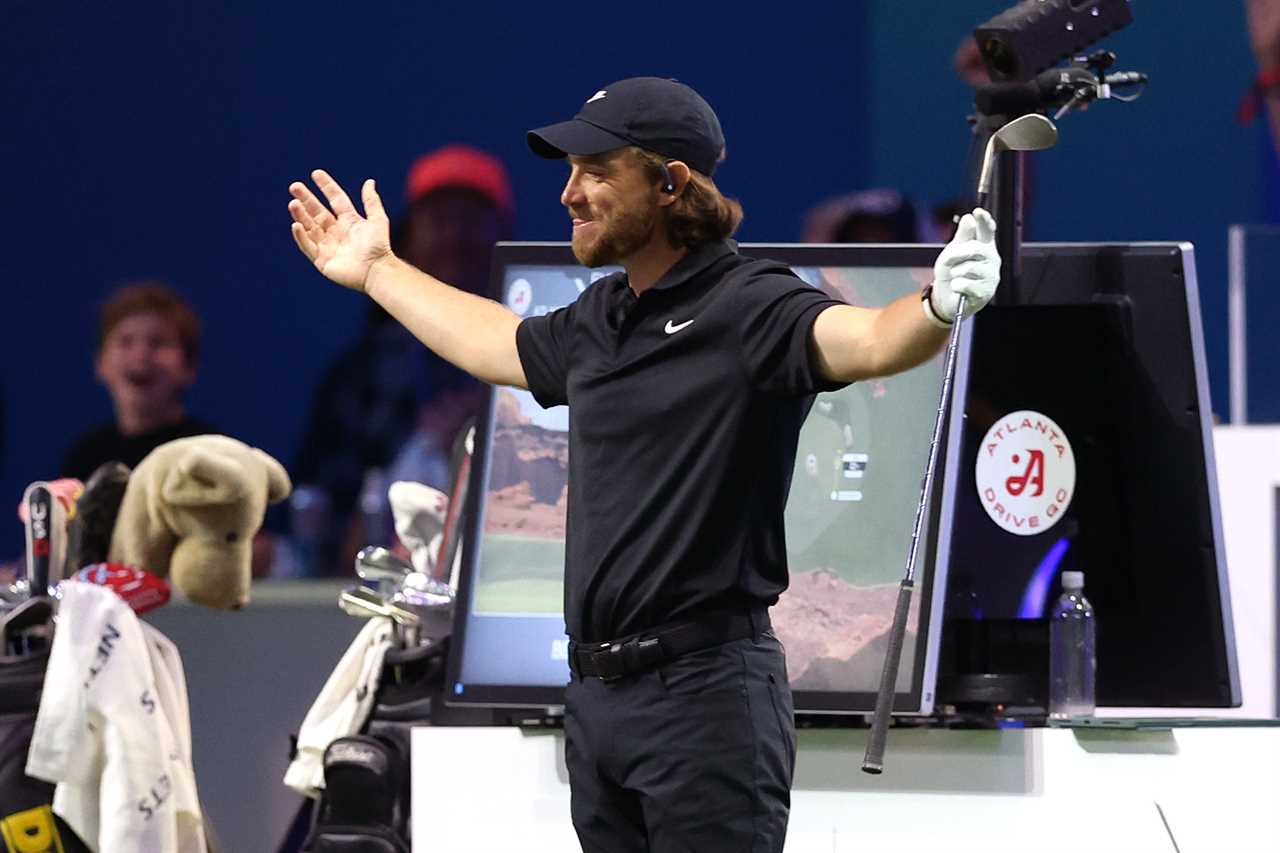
627 234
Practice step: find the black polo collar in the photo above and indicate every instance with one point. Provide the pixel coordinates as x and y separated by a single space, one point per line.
695 262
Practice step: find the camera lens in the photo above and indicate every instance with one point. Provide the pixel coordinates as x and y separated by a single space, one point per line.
999 57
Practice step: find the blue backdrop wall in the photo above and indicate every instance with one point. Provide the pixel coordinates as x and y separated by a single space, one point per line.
157 139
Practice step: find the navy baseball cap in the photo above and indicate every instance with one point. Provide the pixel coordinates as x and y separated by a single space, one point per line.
658 115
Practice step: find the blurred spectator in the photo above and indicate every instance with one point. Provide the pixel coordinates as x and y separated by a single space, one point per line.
388 401
1264 94
868 216
968 63
1264 37
147 350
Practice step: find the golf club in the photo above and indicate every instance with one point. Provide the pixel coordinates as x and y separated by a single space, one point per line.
432 601
423 591
1031 132
380 565
358 601
451 535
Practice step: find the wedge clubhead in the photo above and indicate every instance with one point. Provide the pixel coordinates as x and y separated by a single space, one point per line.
1032 132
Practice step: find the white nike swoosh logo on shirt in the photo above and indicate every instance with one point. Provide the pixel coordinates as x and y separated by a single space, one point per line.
672 328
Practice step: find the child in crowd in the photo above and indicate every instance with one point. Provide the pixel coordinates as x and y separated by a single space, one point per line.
147 349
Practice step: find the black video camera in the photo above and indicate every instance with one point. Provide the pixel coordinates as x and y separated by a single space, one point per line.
1036 35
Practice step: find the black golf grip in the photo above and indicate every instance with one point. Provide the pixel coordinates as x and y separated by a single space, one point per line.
39 539
873 760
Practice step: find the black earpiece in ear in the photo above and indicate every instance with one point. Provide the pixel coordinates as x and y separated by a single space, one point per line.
667 185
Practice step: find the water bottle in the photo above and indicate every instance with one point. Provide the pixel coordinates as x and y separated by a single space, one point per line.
1072 652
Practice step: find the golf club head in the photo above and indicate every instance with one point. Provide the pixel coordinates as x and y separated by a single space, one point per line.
376 563
11 595
432 602
353 605
424 591
435 620
1031 132
364 603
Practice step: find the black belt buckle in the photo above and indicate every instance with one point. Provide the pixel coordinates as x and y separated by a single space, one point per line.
612 661
608 661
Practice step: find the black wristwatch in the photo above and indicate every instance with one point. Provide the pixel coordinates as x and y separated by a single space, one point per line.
930 313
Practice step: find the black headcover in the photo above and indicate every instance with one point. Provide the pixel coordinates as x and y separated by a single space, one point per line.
89 531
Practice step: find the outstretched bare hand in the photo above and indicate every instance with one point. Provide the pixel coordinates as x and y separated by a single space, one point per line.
342 244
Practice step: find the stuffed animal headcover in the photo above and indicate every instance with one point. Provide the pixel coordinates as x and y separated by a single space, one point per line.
190 512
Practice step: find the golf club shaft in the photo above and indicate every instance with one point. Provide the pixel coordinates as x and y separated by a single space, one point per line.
450 535
873 759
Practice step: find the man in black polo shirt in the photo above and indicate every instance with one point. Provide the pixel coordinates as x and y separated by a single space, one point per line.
688 376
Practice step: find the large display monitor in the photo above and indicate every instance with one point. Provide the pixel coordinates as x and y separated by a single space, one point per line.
1080 439
862 453
1084 443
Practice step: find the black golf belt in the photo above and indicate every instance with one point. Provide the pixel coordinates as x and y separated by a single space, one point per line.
617 658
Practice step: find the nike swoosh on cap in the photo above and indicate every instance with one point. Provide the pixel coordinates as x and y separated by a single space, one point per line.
597 96
671 328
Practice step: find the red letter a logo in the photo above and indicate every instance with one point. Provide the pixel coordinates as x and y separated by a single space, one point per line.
1033 475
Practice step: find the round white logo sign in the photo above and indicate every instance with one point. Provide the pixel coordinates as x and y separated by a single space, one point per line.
1026 473
520 296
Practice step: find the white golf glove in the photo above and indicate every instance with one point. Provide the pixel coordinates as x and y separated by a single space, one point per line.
968 266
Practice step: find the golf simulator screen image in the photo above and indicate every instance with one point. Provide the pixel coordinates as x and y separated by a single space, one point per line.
860 459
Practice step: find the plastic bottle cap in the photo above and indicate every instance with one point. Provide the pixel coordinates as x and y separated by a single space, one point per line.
1073 580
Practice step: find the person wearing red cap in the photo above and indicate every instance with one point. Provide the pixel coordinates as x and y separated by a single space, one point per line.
388 403
689 374
460 204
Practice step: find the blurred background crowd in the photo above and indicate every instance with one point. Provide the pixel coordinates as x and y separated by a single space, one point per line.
153 291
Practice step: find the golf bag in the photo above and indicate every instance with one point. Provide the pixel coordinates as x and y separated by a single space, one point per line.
365 806
27 821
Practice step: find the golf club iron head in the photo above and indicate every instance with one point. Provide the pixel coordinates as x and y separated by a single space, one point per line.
1031 132
425 591
364 603
11 595
435 623
378 564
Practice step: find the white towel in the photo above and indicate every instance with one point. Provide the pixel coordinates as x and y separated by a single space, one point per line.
419 512
342 707
171 687
113 732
